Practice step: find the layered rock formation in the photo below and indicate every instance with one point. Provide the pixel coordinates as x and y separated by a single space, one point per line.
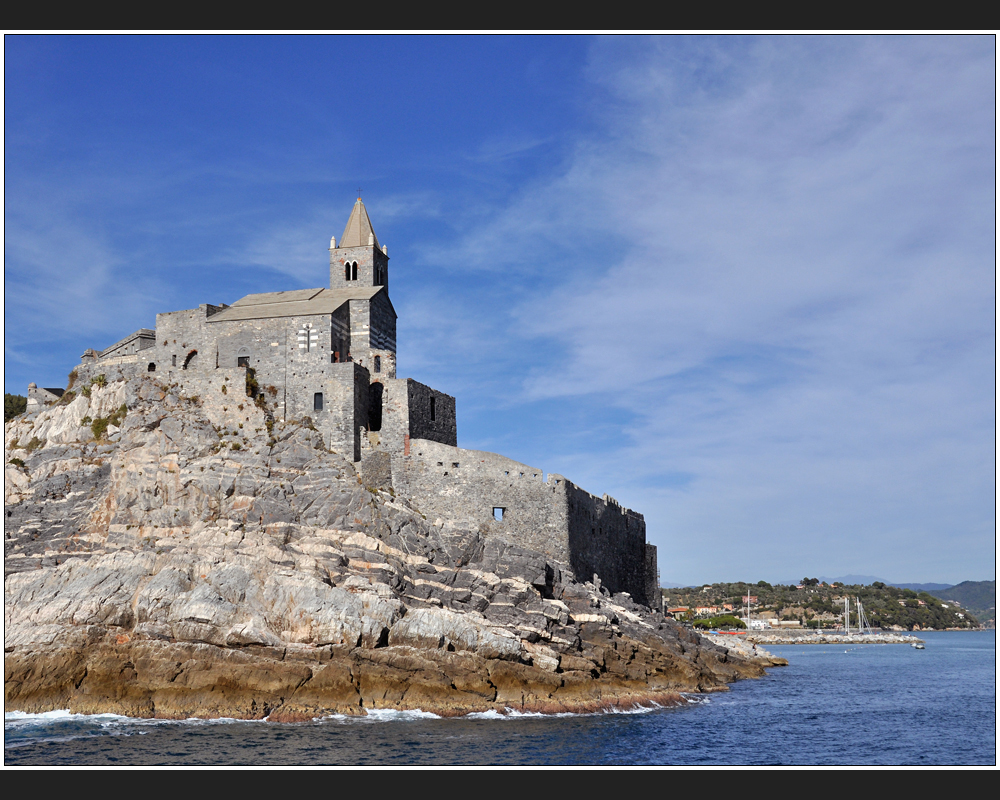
180 556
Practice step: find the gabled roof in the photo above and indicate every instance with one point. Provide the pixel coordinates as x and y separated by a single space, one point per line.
298 303
358 228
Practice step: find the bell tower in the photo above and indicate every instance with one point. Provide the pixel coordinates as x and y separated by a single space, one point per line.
357 260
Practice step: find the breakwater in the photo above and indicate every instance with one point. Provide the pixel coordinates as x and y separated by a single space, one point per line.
830 637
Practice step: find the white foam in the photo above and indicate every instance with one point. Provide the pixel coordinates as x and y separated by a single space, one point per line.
48 717
393 714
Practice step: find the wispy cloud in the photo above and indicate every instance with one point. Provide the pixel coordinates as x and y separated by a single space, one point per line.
784 283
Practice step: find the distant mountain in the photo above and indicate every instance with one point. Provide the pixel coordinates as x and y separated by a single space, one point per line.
930 588
980 597
857 580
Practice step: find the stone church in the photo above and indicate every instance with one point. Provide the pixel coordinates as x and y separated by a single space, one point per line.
329 354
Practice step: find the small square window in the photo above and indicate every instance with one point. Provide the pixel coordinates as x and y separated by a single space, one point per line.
498 513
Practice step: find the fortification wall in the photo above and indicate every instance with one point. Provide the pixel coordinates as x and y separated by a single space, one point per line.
606 539
112 369
471 488
463 487
411 410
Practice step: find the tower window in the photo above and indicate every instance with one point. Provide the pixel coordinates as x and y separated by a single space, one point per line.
347 272
318 401
378 363
432 409
243 361
354 271
173 361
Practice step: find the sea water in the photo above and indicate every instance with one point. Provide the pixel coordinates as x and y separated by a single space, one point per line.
833 704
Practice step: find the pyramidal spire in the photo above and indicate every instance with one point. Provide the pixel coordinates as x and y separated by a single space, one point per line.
358 232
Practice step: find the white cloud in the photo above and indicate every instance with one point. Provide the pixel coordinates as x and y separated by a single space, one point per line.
784 283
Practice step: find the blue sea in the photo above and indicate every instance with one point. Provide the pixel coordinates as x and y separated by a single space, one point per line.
833 705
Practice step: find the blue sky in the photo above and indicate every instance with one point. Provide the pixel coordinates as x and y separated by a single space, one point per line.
745 285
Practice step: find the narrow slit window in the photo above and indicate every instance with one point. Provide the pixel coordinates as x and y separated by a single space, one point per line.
433 416
318 401
354 271
378 363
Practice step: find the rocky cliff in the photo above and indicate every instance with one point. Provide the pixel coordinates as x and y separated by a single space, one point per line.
179 556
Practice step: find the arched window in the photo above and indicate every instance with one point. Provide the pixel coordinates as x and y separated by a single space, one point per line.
243 357
318 401
190 358
347 271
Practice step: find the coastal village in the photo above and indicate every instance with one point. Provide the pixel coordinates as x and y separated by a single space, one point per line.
814 605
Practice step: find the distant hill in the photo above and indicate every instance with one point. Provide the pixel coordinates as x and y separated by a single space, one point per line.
980 597
923 587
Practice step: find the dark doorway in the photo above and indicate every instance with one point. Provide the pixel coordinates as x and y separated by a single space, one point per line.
375 394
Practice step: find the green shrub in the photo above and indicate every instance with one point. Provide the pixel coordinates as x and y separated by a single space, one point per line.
72 379
235 446
67 398
100 380
86 420
119 415
16 462
725 621
99 427
13 405
252 387
34 444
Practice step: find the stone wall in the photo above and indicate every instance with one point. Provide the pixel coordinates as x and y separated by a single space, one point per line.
406 414
142 339
516 502
606 539
38 397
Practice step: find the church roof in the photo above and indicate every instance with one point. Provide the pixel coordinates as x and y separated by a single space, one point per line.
359 227
298 303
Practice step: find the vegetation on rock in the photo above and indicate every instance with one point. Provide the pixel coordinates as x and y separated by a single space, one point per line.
13 405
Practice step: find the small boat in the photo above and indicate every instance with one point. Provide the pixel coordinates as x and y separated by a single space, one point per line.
917 646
